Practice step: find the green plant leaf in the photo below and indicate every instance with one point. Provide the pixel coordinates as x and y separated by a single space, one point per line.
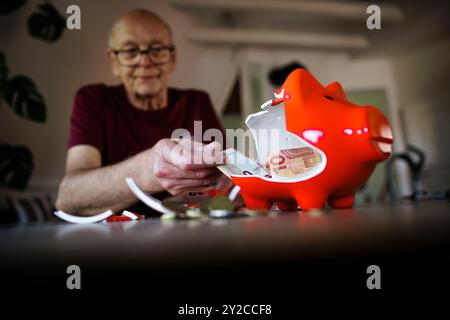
47 23
8 6
16 166
24 98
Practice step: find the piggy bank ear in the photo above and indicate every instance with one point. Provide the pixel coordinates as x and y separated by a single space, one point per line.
300 83
337 88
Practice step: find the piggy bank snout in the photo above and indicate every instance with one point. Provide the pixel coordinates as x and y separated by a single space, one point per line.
380 130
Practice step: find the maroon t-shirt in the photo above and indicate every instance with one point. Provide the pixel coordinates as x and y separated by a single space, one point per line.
104 118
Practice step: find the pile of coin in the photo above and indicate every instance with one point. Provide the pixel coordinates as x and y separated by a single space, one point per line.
216 207
195 204
219 206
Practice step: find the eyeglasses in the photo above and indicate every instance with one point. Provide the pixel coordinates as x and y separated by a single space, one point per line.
157 54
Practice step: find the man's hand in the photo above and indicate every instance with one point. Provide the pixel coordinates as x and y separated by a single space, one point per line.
186 164
88 188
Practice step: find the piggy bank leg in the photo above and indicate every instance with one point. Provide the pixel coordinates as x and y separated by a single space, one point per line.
256 203
287 205
311 200
342 201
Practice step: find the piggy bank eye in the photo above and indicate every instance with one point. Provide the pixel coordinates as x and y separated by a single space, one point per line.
329 98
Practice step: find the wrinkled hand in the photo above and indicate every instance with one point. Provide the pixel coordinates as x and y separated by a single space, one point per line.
183 165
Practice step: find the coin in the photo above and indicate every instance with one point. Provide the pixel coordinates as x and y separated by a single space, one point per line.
168 216
254 212
221 203
220 213
194 212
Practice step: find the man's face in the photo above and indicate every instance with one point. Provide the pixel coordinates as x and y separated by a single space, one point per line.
142 77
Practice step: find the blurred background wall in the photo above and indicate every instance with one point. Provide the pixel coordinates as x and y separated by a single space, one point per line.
224 43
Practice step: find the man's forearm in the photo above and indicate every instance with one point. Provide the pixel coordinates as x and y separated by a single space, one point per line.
92 191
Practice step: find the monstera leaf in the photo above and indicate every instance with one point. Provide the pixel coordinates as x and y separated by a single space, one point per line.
47 23
8 6
16 166
23 97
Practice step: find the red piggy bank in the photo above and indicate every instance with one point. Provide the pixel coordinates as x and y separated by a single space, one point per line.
352 140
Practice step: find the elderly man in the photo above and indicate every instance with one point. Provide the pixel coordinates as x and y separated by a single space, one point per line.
120 131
